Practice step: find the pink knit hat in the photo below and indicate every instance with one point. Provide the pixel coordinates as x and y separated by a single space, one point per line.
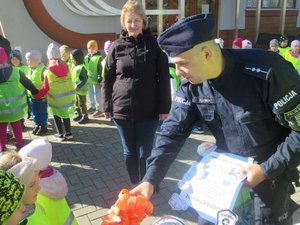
238 42
3 56
107 45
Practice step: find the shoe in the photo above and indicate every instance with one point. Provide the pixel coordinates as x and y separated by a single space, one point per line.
98 113
42 130
77 118
69 136
83 120
91 110
198 130
35 130
59 137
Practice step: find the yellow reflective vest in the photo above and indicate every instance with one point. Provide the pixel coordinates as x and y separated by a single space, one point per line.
91 65
57 210
61 95
75 77
39 217
35 75
13 103
293 60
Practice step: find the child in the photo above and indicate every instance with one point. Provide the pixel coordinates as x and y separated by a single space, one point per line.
39 107
12 92
60 92
283 45
237 43
246 44
79 75
92 63
53 185
26 169
274 44
65 53
293 55
11 205
107 46
16 60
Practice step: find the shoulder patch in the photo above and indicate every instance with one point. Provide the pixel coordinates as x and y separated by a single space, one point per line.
260 71
293 118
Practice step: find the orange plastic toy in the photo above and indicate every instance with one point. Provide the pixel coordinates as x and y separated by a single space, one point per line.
128 209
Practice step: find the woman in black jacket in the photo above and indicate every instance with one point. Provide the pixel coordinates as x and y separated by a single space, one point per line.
136 88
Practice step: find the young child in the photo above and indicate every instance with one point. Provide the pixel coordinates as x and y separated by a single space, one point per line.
65 54
53 185
15 57
246 44
12 92
274 44
79 76
11 205
92 63
39 108
106 47
283 45
26 169
59 87
293 55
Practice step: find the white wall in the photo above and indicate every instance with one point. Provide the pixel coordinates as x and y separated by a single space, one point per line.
227 14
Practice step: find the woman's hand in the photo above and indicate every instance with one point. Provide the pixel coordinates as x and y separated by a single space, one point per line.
146 189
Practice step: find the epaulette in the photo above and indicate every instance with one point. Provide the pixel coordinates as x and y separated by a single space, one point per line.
260 71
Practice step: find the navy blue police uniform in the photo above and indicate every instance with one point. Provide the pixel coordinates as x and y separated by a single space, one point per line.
252 109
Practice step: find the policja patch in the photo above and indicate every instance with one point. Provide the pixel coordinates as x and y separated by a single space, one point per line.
293 118
226 217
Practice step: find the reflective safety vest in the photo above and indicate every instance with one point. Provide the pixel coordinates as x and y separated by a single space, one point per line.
282 51
13 103
24 69
39 217
35 75
91 64
75 77
57 210
293 60
61 95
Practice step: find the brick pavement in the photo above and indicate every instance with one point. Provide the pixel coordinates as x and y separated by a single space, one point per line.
94 169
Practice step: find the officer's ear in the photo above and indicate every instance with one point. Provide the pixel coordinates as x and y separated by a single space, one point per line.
206 52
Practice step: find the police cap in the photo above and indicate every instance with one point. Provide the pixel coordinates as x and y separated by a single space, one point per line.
186 33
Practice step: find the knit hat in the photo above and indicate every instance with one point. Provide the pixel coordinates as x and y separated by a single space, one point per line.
3 56
53 51
92 44
12 191
238 42
25 169
78 56
295 43
34 55
4 43
16 53
186 33
39 149
107 45
246 44
274 43
283 38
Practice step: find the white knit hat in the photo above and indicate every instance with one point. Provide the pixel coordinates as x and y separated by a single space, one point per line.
53 51
39 149
25 169
246 44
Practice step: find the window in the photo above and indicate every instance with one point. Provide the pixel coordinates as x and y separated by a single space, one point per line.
265 4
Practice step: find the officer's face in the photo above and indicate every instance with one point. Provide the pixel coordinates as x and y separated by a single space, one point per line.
194 65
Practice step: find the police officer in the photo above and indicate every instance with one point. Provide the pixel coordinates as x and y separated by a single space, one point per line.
249 99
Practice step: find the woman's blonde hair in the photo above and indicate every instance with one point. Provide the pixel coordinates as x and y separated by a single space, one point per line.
133 6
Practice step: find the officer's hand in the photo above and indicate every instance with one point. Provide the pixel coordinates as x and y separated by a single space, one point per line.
107 115
255 175
146 189
163 116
